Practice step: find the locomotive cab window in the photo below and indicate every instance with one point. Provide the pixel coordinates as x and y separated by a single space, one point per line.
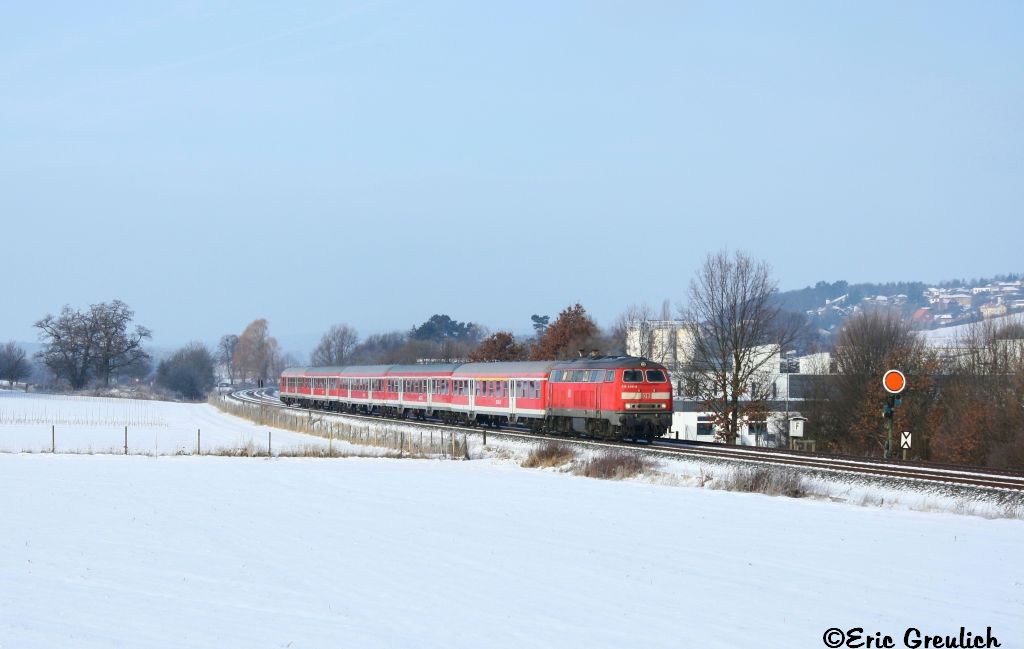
632 376
656 376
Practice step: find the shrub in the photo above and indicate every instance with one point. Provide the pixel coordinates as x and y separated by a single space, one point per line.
765 480
615 466
548 455
189 372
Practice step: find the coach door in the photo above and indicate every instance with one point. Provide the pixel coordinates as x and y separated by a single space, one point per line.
513 394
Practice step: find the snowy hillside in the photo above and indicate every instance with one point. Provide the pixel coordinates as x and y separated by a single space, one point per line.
951 336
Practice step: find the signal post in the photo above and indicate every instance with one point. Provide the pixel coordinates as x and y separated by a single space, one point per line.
894 383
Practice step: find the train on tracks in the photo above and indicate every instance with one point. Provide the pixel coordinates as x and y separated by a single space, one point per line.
619 397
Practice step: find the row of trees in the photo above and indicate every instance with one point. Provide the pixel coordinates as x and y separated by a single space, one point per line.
443 339
964 405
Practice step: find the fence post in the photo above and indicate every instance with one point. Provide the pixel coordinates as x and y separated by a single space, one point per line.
269 451
485 437
401 443
53 438
330 444
126 440
199 447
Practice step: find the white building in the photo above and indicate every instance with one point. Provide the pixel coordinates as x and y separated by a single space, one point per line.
663 341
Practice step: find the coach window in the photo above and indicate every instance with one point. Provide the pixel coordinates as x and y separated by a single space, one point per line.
655 376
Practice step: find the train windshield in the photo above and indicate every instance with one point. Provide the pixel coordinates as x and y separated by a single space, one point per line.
655 376
632 376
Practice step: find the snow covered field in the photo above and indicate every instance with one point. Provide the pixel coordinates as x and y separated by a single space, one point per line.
91 424
114 551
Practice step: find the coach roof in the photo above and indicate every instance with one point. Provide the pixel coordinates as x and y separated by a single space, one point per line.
605 362
504 369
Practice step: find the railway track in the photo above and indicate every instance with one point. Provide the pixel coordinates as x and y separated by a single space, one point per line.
1007 482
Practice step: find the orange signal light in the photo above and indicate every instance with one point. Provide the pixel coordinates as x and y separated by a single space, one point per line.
894 382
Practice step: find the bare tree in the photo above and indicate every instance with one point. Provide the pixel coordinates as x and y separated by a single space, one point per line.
282 361
335 347
979 418
377 347
116 345
633 333
867 346
70 345
14 365
734 328
80 345
257 352
226 354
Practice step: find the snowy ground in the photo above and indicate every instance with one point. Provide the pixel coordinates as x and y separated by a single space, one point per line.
91 424
114 551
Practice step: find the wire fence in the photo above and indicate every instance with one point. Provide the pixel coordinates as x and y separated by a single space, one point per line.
405 440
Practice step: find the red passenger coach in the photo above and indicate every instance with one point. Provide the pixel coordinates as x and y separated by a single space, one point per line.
611 397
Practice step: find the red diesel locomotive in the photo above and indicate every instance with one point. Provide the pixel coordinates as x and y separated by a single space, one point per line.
607 397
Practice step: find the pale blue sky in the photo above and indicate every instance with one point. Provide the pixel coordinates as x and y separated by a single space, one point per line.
377 162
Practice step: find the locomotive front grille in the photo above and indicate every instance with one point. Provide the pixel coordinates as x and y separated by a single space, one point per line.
645 406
